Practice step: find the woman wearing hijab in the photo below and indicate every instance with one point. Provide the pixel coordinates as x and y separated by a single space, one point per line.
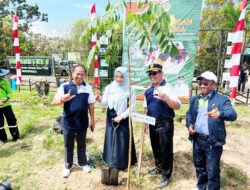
116 97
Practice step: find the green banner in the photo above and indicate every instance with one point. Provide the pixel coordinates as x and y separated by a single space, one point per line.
41 66
178 70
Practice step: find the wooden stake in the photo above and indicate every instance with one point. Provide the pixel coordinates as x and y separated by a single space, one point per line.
141 149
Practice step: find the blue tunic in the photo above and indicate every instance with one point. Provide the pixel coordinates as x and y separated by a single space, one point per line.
121 145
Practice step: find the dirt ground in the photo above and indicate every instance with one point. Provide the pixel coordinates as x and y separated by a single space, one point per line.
236 154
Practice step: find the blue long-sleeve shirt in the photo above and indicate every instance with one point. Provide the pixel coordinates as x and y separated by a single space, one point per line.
216 128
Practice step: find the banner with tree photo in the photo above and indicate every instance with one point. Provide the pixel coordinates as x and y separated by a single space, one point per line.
178 70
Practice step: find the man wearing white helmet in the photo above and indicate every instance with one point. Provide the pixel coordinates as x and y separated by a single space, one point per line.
205 122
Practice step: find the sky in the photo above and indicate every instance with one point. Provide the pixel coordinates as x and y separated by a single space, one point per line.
63 13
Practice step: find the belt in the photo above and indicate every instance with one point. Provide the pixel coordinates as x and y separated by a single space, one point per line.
204 137
163 121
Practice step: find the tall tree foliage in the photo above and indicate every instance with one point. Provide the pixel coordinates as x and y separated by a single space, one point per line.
218 14
212 14
27 14
75 44
230 16
136 23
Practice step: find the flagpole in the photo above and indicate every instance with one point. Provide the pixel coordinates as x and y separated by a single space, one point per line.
94 39
236 51
17 51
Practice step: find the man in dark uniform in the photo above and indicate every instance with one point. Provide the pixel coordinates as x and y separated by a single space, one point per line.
6 110
77 97
243 78
160 102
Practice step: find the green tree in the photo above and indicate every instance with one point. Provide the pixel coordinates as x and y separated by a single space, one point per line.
6 41
230 16
136 25
76 45
218 14
208 43
26 13
212 14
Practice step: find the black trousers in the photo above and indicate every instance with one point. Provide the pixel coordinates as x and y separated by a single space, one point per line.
7 112
161 136
69 139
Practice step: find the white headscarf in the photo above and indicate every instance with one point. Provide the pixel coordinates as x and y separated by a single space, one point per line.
119 93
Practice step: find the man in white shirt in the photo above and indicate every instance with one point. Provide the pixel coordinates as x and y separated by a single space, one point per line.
77 97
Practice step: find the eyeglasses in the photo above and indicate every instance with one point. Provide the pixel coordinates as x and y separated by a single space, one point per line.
153 73
203 83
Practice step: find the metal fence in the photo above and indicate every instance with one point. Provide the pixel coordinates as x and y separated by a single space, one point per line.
28 85
241 98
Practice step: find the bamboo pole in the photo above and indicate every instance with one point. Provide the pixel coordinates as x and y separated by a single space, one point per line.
130 127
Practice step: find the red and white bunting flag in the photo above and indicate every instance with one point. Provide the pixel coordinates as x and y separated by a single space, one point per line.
94 38
236 51
17 52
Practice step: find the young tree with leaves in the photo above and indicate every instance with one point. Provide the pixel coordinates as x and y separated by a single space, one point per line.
134 22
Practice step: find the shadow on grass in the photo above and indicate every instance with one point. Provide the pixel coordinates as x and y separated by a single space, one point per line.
31 129
22 146
183 166
14 148
231 177
89 140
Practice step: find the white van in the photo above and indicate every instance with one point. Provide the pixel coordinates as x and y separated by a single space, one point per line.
64 67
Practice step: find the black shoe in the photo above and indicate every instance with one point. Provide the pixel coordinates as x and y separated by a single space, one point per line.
163 181
154 171
2 142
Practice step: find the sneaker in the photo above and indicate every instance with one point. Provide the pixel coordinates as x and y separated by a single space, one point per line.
163 181
86 169
66 172
154 171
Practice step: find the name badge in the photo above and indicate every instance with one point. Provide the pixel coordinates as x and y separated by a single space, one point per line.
82 90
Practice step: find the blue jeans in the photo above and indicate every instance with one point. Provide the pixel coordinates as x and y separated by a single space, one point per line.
69 138
207 164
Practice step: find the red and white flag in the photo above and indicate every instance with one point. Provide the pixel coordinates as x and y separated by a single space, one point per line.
17 52
94 38
236 51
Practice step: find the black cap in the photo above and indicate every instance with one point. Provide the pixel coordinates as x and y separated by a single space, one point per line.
181 77
154 67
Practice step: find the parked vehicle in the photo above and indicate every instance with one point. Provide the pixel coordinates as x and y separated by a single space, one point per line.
63 67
